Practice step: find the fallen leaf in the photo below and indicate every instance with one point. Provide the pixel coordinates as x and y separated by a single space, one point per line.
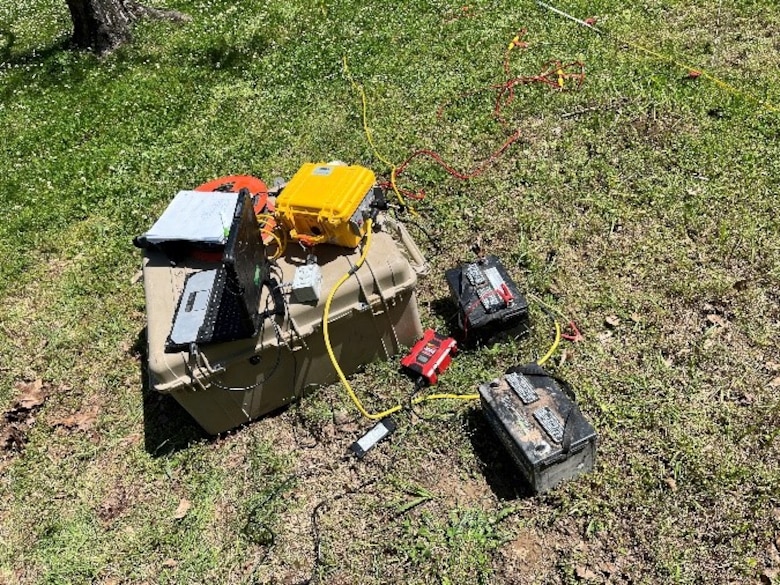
341 417
585 574
113 506
608 568
772 553
775 383
170 563
746 398
769 577
32 394
636 317
612 321
772 367
604 336
12 438
717 320
131 439
671 483
137 277
181 511
81 421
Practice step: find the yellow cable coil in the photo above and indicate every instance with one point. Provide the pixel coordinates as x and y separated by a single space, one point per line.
334 361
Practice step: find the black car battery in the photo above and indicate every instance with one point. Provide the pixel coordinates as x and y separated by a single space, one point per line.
488 300
536 418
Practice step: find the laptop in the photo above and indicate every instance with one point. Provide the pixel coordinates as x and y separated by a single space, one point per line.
221 302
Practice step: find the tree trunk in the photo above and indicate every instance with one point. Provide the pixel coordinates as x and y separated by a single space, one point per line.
103 25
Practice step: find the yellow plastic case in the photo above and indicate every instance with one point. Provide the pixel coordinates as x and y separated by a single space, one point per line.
327 203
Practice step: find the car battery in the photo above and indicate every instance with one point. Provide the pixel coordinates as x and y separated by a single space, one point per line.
540 425
373 316
487 298
327 203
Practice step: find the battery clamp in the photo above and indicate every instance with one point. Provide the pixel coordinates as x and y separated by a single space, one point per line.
487 298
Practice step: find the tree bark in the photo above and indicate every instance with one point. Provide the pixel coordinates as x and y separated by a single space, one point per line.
103 25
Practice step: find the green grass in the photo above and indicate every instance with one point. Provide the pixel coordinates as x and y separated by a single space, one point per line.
644 195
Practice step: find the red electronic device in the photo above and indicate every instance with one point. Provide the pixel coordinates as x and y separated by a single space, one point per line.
430 356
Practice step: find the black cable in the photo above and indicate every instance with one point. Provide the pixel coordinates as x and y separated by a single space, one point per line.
452 415
419 385
431 240
321 505
271 534
259 335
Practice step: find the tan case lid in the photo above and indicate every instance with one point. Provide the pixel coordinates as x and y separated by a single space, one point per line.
386 274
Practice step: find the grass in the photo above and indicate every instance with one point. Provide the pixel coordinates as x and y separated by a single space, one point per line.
644 195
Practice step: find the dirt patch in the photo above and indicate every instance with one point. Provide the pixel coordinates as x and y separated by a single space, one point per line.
19 419
113 506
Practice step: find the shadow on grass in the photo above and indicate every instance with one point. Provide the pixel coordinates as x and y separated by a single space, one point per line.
446 309
168 428
56 65
34 56
7 41
501 473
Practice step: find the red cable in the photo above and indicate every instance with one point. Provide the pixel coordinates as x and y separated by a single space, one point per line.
455 173
554 75
473 305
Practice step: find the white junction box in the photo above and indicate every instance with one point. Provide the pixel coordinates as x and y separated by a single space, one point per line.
373 316
307 283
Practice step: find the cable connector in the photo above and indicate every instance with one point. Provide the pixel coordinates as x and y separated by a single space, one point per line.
381 430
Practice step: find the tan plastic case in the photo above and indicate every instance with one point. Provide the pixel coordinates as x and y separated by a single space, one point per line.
373 316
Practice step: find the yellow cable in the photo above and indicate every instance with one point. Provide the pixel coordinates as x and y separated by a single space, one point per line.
446 396
334 361
553 347
281 246
369 137
326 332
615 38
273 235
539 300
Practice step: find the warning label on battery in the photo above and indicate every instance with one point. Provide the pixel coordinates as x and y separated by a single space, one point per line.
522 387
550 423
